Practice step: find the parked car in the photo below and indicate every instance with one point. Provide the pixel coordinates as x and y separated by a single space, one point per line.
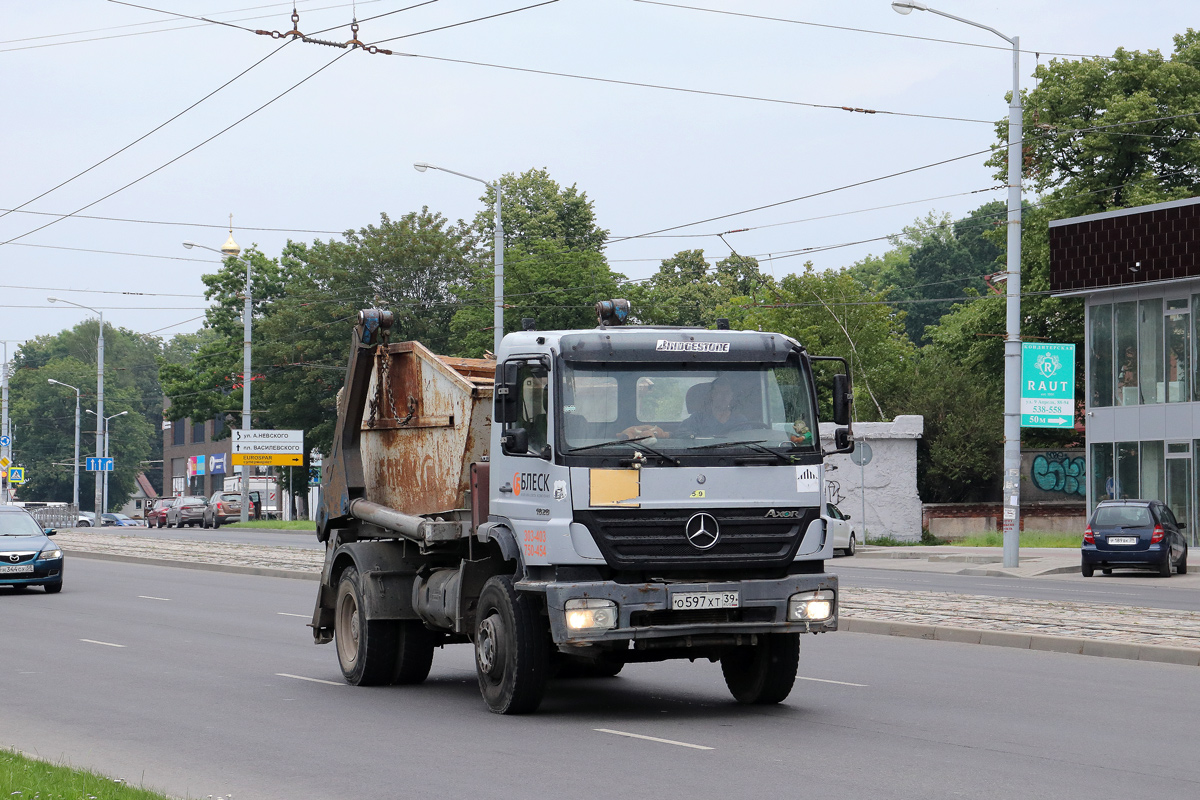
87 519
27 556
118 520
1143 534
840 530
222 507
156 515
187 510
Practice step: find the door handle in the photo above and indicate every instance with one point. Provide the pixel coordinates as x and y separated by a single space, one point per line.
506 488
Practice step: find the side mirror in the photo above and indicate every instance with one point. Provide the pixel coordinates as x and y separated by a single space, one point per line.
506 391
1182 525
843 396
846 517
515 441
49 531
842 443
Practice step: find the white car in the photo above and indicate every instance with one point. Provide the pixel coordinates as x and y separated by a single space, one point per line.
87 519
838 525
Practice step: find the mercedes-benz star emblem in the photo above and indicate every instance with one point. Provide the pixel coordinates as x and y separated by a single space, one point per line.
702 531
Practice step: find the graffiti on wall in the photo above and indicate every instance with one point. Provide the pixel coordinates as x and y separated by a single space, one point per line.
1060 473
833 490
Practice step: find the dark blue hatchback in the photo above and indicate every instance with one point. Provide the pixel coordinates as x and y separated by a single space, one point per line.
27 556
1142 534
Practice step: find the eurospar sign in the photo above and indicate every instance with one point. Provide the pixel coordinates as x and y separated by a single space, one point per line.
1047 385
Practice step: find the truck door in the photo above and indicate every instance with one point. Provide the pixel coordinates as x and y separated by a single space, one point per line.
528 487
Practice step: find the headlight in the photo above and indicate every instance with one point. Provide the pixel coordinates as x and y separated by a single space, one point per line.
811 606
590 614
50 555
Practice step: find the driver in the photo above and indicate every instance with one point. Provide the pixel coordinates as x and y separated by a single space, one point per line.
719 417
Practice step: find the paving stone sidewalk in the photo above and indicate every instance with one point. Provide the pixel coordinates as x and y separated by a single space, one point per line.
1112 623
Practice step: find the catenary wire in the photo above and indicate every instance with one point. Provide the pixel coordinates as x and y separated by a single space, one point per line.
115 252
220 226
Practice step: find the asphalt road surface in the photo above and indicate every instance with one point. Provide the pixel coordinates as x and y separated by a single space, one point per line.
206 683
1122 588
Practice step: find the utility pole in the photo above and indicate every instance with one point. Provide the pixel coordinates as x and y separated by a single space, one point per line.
6 450
99 400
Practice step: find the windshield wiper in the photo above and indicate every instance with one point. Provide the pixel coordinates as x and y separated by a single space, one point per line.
632 441
726 444
768 451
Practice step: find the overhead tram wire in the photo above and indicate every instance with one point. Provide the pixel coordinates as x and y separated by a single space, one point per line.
862 30
218 226
189 150
146 135
115 252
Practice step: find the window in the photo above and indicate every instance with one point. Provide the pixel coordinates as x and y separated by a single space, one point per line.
533 400
1103 482
1178 352
218 426
1122 516
1152 471
1101 356
1125 353
177 432
198 432
1127 486
1150 350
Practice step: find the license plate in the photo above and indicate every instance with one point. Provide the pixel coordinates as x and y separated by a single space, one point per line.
692 601
8 569
1122 540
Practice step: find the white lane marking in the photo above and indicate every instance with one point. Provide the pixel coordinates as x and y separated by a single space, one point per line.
310 680
149 597
652 739
826 680
106 644
286 614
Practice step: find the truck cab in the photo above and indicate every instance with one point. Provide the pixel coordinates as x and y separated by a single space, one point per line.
647 493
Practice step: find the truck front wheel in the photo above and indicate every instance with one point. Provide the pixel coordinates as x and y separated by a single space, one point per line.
512 654
763 673
367 650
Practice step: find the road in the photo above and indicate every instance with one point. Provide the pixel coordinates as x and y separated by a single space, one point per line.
1129 588
207 683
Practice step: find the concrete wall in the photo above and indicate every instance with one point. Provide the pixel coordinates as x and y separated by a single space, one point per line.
954 520
890 502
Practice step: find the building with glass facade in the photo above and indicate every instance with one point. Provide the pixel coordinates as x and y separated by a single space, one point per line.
1138 272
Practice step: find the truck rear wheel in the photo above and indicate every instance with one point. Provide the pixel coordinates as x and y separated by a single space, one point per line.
763 673
367 650
414 652
512 654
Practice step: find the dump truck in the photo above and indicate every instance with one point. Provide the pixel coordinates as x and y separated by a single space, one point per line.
587 499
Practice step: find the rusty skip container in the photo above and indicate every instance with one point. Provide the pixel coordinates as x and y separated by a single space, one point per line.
428 418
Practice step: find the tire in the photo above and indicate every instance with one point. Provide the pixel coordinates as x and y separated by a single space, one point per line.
763 673
1181 567
216 523
1164 569
366 650
85 524
1087 569
512 652
54 588
414 652
853 548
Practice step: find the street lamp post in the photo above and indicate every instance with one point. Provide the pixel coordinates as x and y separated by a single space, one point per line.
75 493
106 438
99 399
498 278
1012 338
6 447
231 250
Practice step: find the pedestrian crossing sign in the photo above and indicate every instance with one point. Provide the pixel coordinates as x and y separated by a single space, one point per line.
16 475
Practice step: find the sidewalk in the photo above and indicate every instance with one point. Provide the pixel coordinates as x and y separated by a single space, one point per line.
1118 631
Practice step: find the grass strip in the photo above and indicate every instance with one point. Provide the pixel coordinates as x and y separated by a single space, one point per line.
275 524
24 778
990 539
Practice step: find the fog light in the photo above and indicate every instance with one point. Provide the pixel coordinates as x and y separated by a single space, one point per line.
591 614
811 606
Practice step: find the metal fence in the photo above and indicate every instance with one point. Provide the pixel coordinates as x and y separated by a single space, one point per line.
55 516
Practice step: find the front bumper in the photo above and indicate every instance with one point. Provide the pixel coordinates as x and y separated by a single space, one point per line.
43 572
643 609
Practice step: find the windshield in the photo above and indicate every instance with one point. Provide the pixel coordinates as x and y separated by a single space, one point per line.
1125 516
12 524
688 408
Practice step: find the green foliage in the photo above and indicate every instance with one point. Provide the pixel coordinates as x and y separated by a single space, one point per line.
43 414
535 209
832 313
24 777
686 291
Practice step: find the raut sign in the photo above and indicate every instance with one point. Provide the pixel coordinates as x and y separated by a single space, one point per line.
1047 385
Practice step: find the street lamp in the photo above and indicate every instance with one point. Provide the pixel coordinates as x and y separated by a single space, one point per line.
106 436
69 386
231 250
498 278
5 431
99 398
1012 338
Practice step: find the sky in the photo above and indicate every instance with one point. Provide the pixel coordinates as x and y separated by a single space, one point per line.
82 79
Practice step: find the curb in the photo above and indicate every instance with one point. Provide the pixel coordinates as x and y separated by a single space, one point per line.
984 572
267 572
1026 641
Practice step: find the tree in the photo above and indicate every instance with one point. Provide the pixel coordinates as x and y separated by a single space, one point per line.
687 291
534 209
44 414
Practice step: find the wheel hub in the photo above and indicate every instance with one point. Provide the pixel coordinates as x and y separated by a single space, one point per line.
488 646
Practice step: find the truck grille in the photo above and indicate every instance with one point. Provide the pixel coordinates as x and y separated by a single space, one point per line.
645 538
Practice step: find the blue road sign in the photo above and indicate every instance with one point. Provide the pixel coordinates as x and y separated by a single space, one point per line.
16 474
5 441
100 465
